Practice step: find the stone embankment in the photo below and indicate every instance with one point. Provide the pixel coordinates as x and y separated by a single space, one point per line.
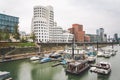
10 53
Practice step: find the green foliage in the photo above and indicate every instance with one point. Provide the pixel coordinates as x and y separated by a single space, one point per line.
22 44
7 36
23 39
16 32
26 44
33 37
4 35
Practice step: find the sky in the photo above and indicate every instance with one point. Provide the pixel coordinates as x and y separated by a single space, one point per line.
92 14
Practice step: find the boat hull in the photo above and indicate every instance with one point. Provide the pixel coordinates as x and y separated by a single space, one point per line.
78 72
102 71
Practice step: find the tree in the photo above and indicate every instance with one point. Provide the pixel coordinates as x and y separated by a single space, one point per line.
0 36
16 32
6 36
23 39
33 37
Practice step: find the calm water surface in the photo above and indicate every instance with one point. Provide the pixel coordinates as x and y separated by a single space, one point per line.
27 70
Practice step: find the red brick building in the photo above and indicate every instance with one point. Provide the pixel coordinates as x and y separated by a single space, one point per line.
77 30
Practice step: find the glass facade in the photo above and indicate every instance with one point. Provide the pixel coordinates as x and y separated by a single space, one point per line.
7 21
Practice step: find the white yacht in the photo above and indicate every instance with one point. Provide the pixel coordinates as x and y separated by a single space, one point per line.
91 58
107 54
113 52
100 54
34 58
101 68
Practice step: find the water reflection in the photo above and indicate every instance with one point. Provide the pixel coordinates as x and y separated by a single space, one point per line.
25 72
46 72
103 77
81 76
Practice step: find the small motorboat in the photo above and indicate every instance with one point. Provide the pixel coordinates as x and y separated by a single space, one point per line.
100 54
91 58
45 60
63 62
34 58
9 78
113 52
107 54
55 55
4 75
101 68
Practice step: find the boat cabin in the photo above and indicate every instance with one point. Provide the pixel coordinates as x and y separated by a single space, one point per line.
103 65
76 67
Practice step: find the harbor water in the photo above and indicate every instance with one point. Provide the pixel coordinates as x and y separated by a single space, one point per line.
33 70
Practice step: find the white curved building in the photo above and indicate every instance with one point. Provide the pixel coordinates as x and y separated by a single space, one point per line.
42 21
44 27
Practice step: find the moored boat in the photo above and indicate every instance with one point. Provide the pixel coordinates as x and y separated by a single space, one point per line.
76 67
9 78
100 54
113 52
47 59
63 62
107 54
34 58
91 58
55 55
4 74
101 68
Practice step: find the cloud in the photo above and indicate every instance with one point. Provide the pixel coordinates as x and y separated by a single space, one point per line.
100 13
92 14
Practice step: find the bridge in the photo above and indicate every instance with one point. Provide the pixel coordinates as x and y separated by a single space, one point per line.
80 43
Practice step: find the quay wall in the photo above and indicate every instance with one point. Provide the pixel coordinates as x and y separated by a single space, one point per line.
21 48
14 51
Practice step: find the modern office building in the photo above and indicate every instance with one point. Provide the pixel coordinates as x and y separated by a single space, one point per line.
9 22
105 38
86 38
56 34
94 37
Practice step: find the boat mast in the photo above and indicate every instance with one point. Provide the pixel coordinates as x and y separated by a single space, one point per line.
73 48
73 44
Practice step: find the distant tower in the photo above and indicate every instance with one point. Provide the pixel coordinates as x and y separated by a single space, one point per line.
100 32
116 37
105 38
